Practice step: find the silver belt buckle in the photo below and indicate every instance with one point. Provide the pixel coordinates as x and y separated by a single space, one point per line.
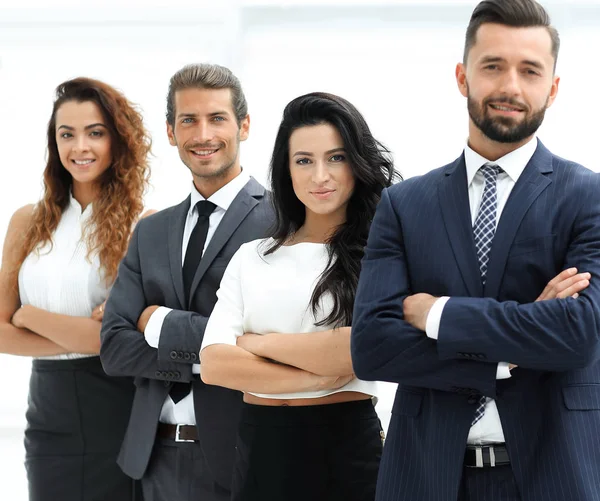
177 432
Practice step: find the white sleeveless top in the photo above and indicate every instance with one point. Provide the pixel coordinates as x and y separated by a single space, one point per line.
61 279
263 294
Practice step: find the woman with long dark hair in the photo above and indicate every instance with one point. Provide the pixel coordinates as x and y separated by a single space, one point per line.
60 259
280 331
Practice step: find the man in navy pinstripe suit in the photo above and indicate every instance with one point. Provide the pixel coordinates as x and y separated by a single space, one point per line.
499 377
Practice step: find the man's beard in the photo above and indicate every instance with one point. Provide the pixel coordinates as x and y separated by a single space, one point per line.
504 129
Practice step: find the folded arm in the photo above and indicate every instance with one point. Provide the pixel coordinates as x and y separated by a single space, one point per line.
18 340
124 350
326 353
384 346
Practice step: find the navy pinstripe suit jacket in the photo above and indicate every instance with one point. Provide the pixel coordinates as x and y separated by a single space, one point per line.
421 241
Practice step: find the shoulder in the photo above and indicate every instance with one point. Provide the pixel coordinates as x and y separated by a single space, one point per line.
575 177
417 185
21 219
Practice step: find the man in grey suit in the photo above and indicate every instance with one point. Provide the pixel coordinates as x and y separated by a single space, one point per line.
181 435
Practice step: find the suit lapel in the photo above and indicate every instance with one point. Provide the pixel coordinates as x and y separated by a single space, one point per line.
237 212
454 201
175 242
529 186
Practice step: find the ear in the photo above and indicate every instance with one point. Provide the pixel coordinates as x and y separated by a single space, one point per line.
461 79
553 91
245 128
171 134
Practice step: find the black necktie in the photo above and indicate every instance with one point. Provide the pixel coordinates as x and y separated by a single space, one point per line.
193 254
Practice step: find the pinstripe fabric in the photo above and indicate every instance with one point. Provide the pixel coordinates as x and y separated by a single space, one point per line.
421 241
488 484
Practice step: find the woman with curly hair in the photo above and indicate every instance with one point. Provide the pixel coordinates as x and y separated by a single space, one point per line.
280 331
60 258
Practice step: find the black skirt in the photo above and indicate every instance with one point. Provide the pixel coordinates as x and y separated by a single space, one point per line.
76 420
323 452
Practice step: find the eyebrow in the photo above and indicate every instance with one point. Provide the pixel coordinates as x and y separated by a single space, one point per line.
194 115
91 126
497 59
309 154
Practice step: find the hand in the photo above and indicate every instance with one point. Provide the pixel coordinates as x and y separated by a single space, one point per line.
145 317
416 308
565 284
98 312
18 318
333 382
250 342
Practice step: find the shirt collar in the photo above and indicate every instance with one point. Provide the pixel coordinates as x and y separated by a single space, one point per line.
513 163
223 197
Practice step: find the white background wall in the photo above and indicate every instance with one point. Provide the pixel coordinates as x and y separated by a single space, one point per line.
394 60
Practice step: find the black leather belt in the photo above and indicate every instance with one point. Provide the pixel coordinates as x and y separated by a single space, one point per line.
486 456
178 432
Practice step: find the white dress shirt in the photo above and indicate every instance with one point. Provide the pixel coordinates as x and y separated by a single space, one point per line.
489 428
183 411
272 293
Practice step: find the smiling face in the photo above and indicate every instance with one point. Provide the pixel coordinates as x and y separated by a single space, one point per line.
83 141
321 175
509 83
207 135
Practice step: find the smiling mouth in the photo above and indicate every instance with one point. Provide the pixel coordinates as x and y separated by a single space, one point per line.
506 109
322 194
83 162
204 153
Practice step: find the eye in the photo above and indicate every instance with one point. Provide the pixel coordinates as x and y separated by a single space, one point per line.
531 72
337 158
96 133
303 161
491 67
187 120
66 135
218 119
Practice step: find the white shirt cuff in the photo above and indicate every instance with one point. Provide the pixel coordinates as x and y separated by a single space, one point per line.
195 368
503 371
432 324
154 325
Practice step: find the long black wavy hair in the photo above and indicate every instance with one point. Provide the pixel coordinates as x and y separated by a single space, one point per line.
373 170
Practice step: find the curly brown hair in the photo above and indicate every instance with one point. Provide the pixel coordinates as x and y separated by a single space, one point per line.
121 186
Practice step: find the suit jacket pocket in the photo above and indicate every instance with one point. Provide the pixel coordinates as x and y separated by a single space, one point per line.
583 397
407 403
535 244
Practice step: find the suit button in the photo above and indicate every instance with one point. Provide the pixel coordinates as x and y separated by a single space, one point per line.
472 399
180 355
186 356
177 375
165 374
481 356
173 355
170 375
158 374
194 356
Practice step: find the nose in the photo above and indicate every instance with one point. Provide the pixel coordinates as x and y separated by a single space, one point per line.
81 143
321 173
510 83
203 133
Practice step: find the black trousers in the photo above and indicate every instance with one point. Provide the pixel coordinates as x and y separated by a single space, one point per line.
489 484
76 419
324 452
178 472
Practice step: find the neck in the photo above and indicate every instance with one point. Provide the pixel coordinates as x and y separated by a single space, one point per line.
489 149
319 228
208 186
84 193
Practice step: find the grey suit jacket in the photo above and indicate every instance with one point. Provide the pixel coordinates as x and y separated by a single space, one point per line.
151 274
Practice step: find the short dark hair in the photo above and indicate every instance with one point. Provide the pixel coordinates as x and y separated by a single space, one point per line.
516 13
207 76
373 170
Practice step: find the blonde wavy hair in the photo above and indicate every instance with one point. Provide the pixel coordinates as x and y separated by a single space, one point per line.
121 186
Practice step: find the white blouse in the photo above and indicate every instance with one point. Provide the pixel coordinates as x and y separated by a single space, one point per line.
61 279
263 294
